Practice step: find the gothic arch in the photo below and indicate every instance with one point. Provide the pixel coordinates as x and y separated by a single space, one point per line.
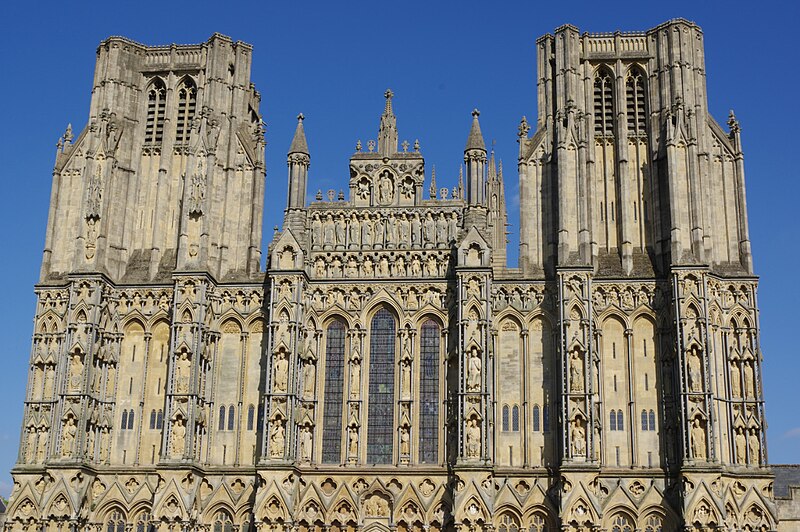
229 317
612 313
510 313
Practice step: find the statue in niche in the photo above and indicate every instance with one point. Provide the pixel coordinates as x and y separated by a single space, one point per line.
578 438
694 371
452 227
472 329
198 187
473 288
741 446
576 371
385 189
755 447
378 232
68 439
429 231
416 266
319 267
316 232
305 444
355 375
91 238
328 233
749 379
75 371
285 290
277 440
282 330
351 268
339 225
95 193
352 446
736 380
403 229
30 445
49 375
182 370
104 444
41 444
698 437
405 441
391 231
366 232
383 266
90 443
405 378
368 267
473 439
363 189
354 232
441 229
178 437
416 228
432 266
399 266
309 378
475 367
281 371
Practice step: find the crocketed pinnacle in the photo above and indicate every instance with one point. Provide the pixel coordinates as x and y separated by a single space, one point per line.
387 133
475 139
299 144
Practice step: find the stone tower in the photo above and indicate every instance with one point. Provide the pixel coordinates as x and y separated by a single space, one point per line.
389 371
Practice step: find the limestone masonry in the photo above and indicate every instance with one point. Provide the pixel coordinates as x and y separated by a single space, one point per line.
389 371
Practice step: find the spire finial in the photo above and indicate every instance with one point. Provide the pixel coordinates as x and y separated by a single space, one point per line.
475 139
476 113
387 132
433 182
299 143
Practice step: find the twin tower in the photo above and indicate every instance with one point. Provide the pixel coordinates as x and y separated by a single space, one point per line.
389 371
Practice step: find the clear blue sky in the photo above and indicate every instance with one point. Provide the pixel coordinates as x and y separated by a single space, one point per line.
333 61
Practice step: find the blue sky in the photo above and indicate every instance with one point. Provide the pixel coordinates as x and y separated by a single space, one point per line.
333 60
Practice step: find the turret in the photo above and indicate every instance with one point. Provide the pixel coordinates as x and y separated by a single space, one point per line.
387 132
298 161
475 158
496 216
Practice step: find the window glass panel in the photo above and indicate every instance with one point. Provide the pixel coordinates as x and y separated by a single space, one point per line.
231 417
251 412
603 104
620 424
652 420
536 418
152 419
505 418
124 424
221 418
334 382
515 418
612 421
429 393
160 420
380 426
130 420
644 419
187 102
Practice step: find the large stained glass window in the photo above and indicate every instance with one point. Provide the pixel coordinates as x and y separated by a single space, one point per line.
380 427
429 393
334 384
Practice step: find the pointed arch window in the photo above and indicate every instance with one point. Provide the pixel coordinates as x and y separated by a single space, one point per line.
515 418
115 522
251 413
635 103
187 104
143 523
124 424
508 524
612 419
231 417
160 420
223 522
546 418
644 419
430 342
603 103
652 420
156 107
380 420
620 421
152 420
622 524
505 418
654 523
332 396
222 411
538 523
536 419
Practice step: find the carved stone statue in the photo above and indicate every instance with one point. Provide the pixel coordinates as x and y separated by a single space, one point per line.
429 231
736 380
741 446
452 227
698 437
68 438
405 441
328 233
441 229
41 444
75 372
354 232
309 378
316 232
472 330
694 371
182 370
178 437
355 376
578 438
474 369
473 439
277 440
352 447
305 444
576 371
755 447
749 379
416 228
366 232
405 379
281 371
391 231
385 189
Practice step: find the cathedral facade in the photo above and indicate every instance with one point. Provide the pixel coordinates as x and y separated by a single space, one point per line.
389 370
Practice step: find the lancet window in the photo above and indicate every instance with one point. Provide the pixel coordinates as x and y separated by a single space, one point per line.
156 107
115 522
223 522
332 398
187 104
603 103
430 339
635 102
380 428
